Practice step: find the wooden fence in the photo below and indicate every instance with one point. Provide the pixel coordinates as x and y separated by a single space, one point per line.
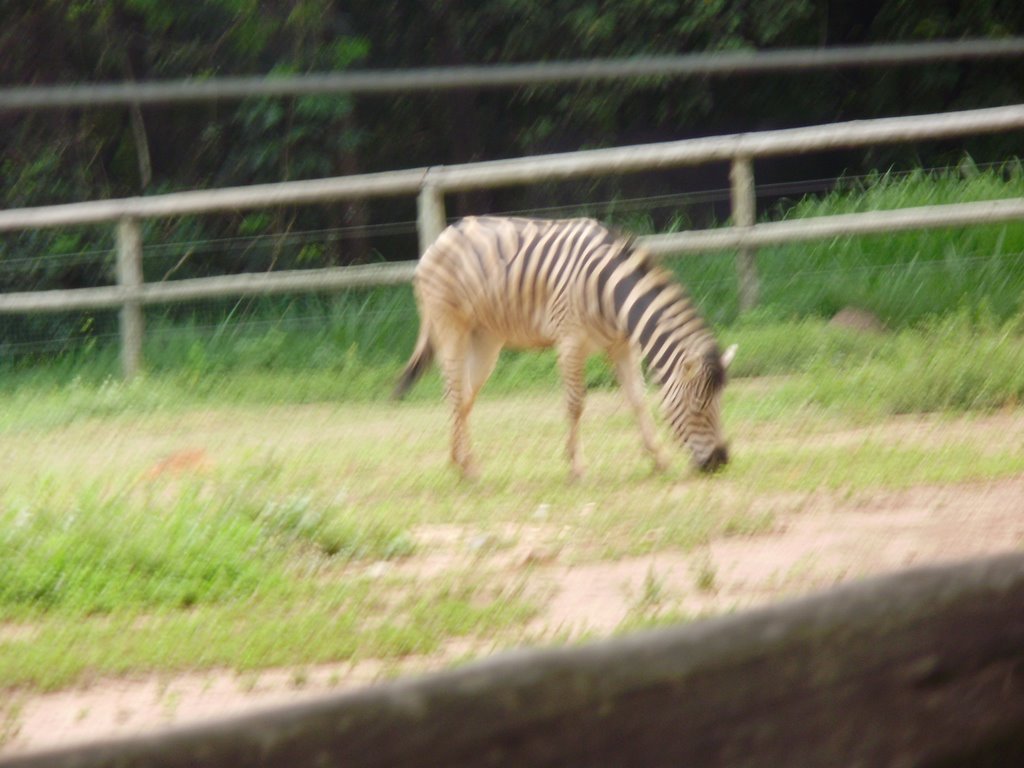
431 184
434 79
922 668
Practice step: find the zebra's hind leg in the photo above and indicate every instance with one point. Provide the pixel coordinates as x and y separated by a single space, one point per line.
627 370
482 356
571 359
467 361
452 348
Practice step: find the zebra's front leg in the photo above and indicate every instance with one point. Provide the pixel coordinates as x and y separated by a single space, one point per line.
627 370
571 359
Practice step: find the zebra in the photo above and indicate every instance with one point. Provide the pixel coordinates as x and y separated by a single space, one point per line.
581 287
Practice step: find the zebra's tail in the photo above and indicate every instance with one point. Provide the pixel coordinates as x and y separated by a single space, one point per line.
422 357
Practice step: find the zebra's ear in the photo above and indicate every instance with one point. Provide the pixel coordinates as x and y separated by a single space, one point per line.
728 355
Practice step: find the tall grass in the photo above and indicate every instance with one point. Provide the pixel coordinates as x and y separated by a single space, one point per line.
90 554
903 277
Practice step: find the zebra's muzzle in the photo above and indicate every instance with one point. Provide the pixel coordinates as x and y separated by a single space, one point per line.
717 459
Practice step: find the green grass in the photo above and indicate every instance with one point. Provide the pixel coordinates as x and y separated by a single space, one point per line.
308 624
905 277
873 464
95 552
290 542
965 360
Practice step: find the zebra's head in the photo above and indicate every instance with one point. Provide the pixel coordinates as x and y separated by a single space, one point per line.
692 401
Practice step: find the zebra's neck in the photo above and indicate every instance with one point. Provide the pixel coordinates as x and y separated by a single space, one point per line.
653 310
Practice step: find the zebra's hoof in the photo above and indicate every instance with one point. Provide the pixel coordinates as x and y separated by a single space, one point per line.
717 459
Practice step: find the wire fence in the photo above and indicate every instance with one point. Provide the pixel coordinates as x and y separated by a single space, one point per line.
714 286
902 280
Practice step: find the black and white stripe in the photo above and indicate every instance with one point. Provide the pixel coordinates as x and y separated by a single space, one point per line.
489 282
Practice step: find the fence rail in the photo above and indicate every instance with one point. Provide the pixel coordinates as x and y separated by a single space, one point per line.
528 170
365 275
431 185
504 75
198 288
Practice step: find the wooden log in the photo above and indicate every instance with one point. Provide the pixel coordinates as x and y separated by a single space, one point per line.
922 668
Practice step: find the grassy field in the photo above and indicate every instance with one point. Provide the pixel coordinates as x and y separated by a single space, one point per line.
146 527
254 501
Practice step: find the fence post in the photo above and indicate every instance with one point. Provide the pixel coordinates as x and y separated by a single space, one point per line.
129 278
744 213
430 218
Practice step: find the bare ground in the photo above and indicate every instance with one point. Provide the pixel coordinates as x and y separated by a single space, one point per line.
816 541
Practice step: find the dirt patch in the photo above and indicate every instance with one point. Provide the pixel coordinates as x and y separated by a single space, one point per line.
121 708
184 462
830 542
826 542
816 540
502 548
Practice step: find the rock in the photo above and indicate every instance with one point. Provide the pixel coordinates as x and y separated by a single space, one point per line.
859 320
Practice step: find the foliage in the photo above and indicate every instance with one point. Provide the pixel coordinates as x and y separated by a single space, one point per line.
64 156
57 156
